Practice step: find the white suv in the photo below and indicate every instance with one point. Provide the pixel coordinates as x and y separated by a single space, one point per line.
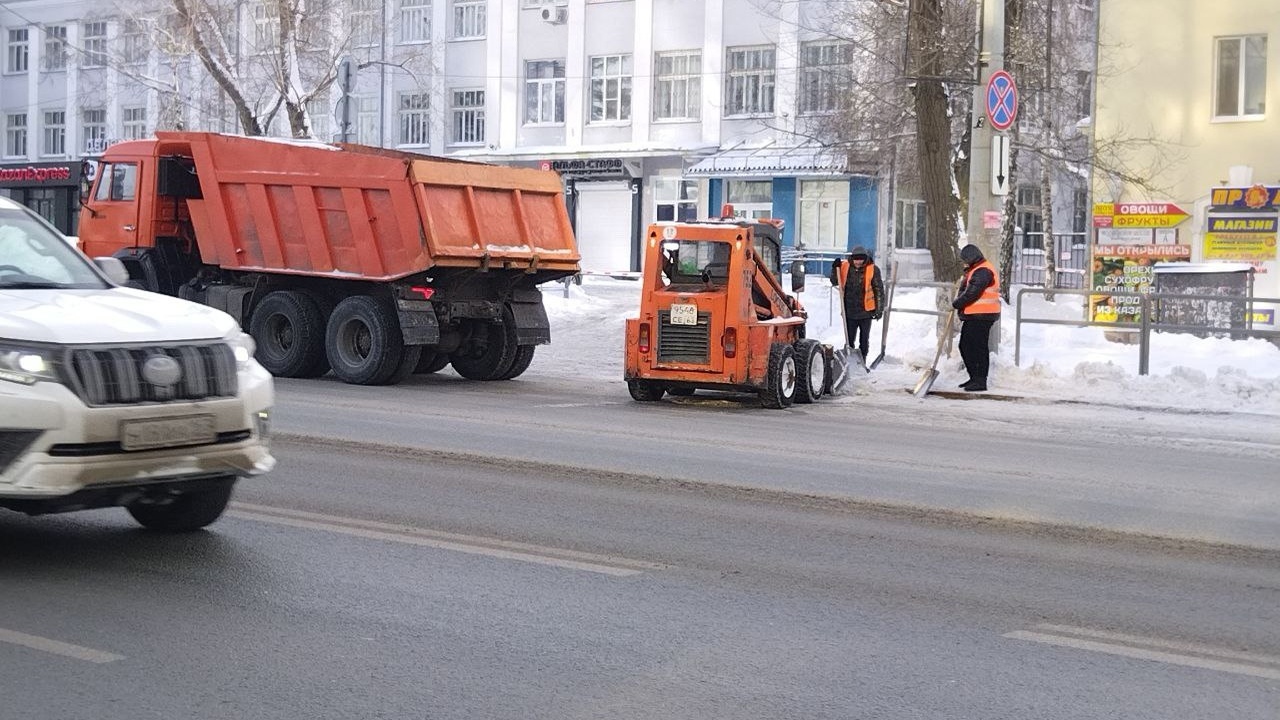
111 396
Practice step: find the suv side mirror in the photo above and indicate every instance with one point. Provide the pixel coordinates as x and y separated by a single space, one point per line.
797 276
113 269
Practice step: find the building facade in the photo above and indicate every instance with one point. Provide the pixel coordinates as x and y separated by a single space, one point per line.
1195 100
650 109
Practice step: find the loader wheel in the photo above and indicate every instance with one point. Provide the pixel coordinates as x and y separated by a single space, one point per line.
781 380
364 343
645 390
811 367
430 362
288 328
489 352
524 356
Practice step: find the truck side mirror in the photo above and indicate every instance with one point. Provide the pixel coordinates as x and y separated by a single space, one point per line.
797 276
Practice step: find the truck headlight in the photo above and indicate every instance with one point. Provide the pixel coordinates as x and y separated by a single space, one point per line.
26 364
243 346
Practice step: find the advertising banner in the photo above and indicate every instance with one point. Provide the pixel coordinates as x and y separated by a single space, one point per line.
1233 237
1127 268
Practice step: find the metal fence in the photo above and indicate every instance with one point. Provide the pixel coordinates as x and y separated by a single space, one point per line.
1147 305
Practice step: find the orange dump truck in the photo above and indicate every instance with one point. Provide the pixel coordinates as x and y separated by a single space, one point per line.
371 263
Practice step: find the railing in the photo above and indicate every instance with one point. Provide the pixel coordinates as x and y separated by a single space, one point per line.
1071 269
1147 303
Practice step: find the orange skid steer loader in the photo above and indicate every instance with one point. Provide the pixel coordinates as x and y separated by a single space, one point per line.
714 316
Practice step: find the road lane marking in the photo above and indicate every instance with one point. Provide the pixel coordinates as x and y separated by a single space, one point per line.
471 544
1154 649
57 647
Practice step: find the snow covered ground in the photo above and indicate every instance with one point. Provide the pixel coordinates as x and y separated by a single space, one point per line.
1058 363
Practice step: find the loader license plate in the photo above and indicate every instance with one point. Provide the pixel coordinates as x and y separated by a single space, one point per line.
684 314
168 432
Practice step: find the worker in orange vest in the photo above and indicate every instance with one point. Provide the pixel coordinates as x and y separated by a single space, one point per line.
862 287
978 303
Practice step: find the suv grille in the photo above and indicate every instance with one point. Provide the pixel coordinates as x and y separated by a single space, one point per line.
114 376
684 343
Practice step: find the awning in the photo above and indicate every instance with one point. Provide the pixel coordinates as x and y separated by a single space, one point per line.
771 161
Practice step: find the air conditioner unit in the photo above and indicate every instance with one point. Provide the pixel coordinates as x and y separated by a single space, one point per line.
555 15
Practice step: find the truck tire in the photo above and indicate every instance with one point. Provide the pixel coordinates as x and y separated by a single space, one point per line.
363 341
288 328
430 361
184 512
781 378
524 356
645 390
811 369
490 351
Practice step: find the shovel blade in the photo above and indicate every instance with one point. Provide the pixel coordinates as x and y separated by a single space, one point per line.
839 370
875 363
926 382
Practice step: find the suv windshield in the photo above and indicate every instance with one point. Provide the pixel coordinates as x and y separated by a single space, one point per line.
32 255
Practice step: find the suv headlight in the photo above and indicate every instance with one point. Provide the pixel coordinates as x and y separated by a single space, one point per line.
243 346
26 364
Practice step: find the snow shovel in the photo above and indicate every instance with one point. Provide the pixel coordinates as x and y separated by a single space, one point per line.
926 382
888 308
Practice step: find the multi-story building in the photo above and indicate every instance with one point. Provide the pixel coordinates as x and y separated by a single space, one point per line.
1189 105
650 109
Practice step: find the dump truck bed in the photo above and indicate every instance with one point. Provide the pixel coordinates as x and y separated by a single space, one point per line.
360 212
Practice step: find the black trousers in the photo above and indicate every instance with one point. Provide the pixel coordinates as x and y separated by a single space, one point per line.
973 345
859 333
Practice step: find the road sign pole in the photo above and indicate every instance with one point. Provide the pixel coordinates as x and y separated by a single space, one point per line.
981 199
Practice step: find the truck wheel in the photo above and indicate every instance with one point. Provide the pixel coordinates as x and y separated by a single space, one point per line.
680 391
430 362
524 356
288 328
811 367
363 341
645 390
184 512
408 363
490 351
781 380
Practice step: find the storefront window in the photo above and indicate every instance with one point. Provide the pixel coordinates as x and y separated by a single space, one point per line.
824 214
675 199
750 198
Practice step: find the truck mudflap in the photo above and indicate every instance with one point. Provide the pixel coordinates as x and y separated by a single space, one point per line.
532 325
418 322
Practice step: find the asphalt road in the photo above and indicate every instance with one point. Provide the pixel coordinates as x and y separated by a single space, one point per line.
353 584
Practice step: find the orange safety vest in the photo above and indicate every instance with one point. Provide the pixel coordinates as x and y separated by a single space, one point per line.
868 295
988 303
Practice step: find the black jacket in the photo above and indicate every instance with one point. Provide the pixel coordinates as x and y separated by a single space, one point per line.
981 279
854 300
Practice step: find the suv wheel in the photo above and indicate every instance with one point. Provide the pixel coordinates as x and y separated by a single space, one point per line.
183 512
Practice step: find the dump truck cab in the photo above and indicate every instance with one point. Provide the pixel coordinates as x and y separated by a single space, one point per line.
713 315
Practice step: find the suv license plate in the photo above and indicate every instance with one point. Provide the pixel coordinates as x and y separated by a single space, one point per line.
168 432
684 314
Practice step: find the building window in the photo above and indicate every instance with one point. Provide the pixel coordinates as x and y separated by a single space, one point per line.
750 198
319 112
1079 215
1241 77
94 131
18 52
1084 93
15 135
369 120
910 225
677 87
415 21
134 123
468 19
611 88
135 46
415 119
266 26
544 92
55 133
366 22
749 81
55 48
824 214
675 199
1030 221
95 44
825 71
468 117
